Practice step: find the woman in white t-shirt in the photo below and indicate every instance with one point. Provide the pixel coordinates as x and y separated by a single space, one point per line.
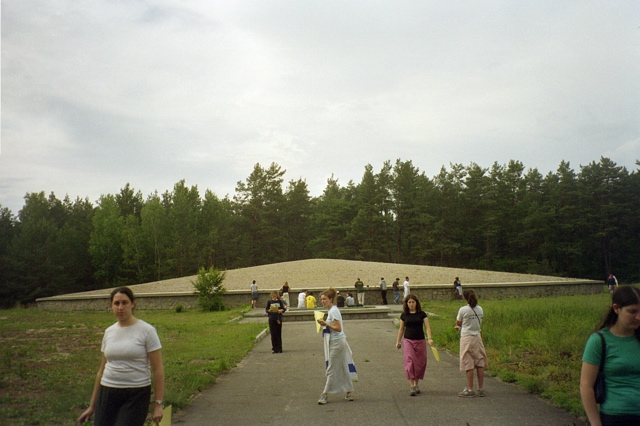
122 388
340 368
472 353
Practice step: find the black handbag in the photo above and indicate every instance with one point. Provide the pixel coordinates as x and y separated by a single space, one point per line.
598 387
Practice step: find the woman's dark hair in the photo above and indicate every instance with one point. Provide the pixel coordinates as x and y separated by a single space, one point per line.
124 290
405 307
624 295
470 297
330 294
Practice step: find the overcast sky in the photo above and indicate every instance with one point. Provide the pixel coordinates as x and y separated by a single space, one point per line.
97 94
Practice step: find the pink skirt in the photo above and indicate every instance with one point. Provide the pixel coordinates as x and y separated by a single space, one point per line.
415 358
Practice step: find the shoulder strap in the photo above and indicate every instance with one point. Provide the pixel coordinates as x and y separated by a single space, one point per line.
477 317
604 351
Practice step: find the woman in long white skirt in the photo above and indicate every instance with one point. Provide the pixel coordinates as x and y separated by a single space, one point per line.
340 369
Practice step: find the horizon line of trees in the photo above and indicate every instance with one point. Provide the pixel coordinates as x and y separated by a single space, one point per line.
501 218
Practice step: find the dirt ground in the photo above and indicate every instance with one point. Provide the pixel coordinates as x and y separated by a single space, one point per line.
323 273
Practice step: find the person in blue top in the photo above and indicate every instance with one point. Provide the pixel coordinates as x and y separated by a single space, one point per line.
621 331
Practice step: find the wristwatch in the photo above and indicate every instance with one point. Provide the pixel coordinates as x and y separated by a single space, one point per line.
158 401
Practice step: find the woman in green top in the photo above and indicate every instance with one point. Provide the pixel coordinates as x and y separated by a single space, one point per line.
621 331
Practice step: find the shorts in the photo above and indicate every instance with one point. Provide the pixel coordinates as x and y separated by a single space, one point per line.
472 353
122 406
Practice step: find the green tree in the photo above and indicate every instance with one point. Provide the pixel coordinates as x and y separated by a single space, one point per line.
106 242
209 288
7 233
368 234
478 236
448 229
184 215
156 238
568 227
603 201
409 204
260 201
296 220
130 202
334 211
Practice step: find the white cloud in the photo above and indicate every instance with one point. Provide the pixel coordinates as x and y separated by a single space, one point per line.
97 94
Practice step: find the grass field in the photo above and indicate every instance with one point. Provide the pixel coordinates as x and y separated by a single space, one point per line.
48 360
536 343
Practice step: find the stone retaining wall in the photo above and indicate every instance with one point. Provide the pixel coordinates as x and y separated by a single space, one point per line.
235 298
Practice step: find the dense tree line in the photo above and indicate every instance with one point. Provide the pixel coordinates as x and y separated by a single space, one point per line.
501 218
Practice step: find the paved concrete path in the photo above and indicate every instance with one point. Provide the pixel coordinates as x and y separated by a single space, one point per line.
276 389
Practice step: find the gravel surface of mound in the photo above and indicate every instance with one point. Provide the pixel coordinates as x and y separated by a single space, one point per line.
324 273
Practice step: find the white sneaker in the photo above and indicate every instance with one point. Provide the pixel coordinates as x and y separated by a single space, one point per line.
467 393
323 399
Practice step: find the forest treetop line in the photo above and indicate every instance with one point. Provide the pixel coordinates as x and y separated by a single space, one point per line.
503 218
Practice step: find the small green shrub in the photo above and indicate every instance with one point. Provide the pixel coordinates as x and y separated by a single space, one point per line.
179 309
209 289
507 376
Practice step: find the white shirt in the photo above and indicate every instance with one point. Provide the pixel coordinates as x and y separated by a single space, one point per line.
406 288
126 350
471 321
335 314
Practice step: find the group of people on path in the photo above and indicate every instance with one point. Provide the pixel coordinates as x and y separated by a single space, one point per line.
132 361
413 335
414 325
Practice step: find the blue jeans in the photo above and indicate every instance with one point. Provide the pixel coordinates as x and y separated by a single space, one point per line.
396 296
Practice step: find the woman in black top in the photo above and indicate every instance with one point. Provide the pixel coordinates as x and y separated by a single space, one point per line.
413 323
275 309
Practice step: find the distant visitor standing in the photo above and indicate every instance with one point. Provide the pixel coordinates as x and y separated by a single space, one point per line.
619 330
612 283
275 308
407 287
340 369
383 291
360 292
396 291
457 288
311 300
413 324
340 300
285 293
472 353
301 299
254 294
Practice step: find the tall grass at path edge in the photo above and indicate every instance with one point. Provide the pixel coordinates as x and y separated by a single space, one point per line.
536 343
48 360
